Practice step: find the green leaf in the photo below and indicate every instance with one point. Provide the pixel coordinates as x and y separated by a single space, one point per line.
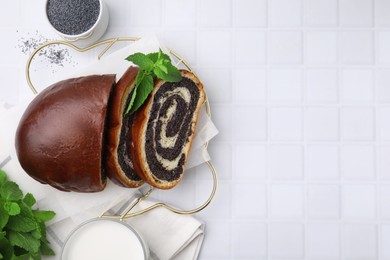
173 75
138 80
25 256
44 215
45 249
143 90
3 177
29 200
164 57
1 256
12 208
142 60
10 191
4 216
153 56
24 240
2 234
6 249
22 223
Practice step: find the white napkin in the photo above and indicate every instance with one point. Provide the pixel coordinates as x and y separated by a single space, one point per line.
185 233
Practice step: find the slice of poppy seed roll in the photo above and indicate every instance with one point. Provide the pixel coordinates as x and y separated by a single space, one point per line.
119 164
163 130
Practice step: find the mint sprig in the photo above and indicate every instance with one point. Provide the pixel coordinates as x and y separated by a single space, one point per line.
22 229
152 65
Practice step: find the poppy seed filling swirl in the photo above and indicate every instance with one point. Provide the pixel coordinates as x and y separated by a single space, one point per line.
169 128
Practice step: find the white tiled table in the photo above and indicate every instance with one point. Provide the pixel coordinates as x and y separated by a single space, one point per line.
300 90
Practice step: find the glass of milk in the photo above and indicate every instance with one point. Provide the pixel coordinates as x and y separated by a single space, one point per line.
102 239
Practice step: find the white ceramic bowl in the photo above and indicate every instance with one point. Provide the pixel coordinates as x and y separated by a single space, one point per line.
90 36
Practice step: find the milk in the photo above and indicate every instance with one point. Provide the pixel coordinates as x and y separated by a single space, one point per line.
103 239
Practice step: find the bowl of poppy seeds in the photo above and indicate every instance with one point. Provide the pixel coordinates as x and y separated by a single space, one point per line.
80 21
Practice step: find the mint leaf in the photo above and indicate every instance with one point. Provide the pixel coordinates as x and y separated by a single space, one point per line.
29 200
4 216
10 191
45 249
22 224
6 248
24 240
44 215
142 60
153 56
143 90
3 177
12 208
2 235
156 64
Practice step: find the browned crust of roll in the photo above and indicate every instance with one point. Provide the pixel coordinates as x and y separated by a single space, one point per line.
60 137
139 130
114 126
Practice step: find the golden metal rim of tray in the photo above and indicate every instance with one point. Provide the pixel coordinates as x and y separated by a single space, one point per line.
179 60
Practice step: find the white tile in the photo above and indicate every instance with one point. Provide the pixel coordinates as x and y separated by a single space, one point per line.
385 241
322 86
285 85
360 241
250 162
221 155
357 47
249 123
358 162
285 47
29 18
323 241
221 206
322 123
286 201
214 47
357 124
383 162
243 195
217 243
250 13
382 10
117 12
382 83
217 90
222 118
138 9
284 12
214 13
183 42
10 78
250 47
356 12
357 85
13 55
180 10
285 162
384 198
359 202
285 241
383 45
10 14
321 12
322 162
249 240
249 85
323 201
285 124
321 47
383 123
